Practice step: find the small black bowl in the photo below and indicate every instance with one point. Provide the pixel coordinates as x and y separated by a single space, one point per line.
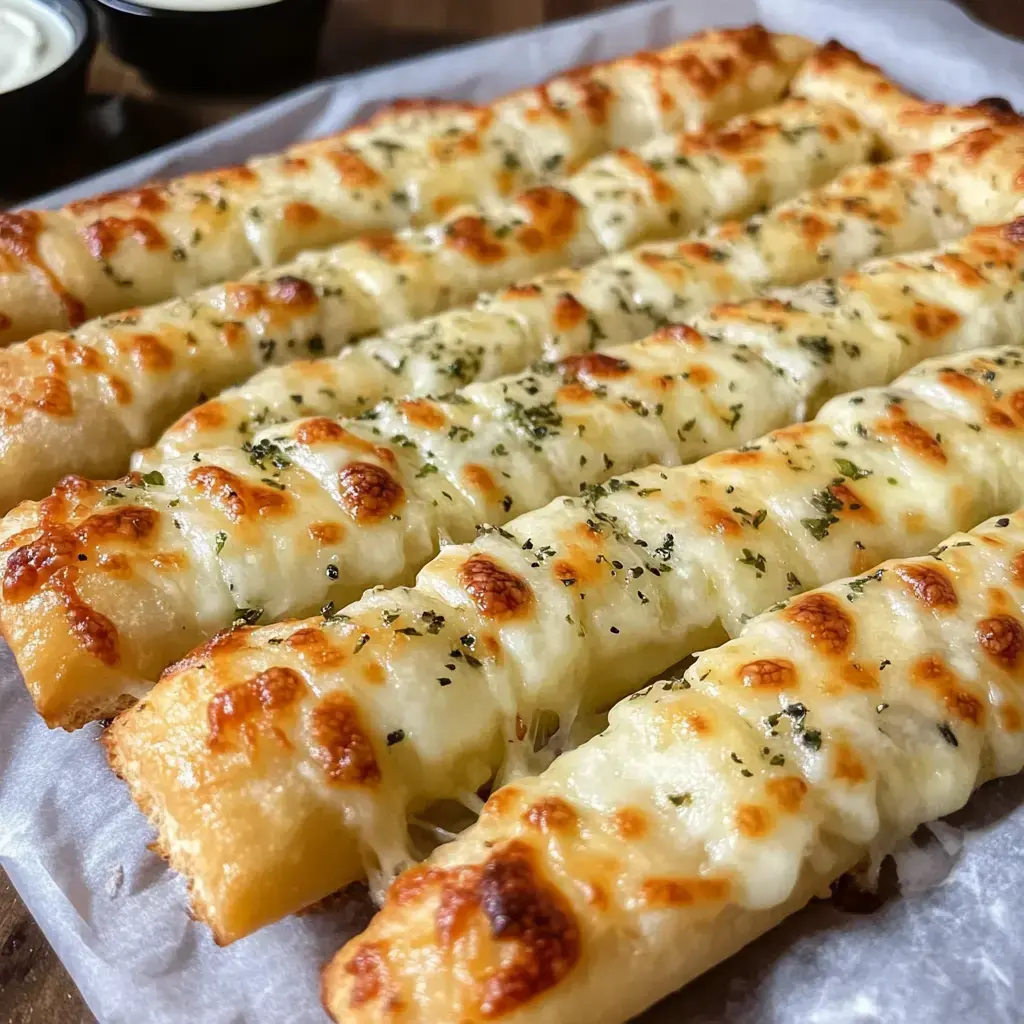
242 50
41 119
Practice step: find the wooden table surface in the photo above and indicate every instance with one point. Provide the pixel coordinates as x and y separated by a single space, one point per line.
34 987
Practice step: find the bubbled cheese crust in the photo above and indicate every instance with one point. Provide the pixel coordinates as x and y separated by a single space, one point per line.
411 163
505 642
867 211
316 510
714 804
125 377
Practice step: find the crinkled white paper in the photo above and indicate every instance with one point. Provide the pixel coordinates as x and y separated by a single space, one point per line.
76 848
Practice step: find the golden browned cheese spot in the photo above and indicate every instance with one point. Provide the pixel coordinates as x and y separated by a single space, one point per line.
736 458
319 430
854 506
414 884
299 214
595 894
423 413
534 919
526 290
628 823
457 904
575 393
769 674
1016 403
502 802
94 631
149 353
226 642
479 478
930 585
496 592
368 968
857 676
957 381
934 674
1017 569
471 235
692 722
149 198
72 496
846 765
1002 638
661 190
753 821
296 293
822 619
552 218
19 245
369 493
684 892
208 416
700 375
1014 231
168 561
960 269
245 299
787 792
352 169
932 322
373 672
30 566
316 647
1010 718
568 313
326 533
715 519
121 389
104 236
550 814
116 566
386 245
235 497
975 145
240 708
50 395
130 522
340 745
593 364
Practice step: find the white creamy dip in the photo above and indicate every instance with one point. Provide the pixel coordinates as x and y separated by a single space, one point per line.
204 5
34 39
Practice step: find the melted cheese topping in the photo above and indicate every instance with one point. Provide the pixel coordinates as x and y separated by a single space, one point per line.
376 283
318 509
505 642
866 212
410 163
714 803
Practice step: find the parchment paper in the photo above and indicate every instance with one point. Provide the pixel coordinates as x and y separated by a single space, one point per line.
75 847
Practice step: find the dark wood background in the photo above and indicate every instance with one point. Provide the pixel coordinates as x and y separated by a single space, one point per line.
34 987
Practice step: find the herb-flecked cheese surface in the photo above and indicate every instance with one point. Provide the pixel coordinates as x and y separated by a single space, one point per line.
323 736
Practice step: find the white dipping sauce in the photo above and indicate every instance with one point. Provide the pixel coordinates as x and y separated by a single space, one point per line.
204 5
34 39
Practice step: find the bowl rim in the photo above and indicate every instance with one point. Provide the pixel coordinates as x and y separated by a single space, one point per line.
143 10
82 52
